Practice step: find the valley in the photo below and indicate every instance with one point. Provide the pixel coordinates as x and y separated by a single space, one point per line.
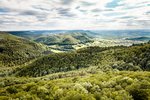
68 40
74 49
74 65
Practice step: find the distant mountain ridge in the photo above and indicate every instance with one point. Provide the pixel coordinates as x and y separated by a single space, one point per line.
139 38
109 34
120 34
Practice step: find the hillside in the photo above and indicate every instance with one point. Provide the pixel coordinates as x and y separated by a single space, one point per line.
113 73
58 37
122 58
92 73
79 85
64 39
70 40
58 40
16 51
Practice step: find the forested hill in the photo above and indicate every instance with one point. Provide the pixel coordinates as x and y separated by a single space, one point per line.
56 37
64 39
131 58
92 73
16 51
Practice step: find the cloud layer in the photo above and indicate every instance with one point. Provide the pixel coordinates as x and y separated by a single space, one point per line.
74 14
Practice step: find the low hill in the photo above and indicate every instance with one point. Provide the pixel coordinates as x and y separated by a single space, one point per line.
58 40
122 58
60 37
64 39
16 51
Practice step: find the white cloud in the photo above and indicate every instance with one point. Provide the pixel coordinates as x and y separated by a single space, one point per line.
74 14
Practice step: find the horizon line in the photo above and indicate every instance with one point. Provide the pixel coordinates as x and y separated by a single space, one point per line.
69 30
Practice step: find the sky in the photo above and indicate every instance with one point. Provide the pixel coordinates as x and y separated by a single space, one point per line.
74 14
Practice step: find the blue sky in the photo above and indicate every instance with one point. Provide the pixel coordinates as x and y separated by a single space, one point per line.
74 14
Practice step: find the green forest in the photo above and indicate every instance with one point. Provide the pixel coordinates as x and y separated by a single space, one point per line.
29 70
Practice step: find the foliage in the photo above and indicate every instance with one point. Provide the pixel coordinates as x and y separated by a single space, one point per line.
134 58
16 51
100 86
92 73
64 39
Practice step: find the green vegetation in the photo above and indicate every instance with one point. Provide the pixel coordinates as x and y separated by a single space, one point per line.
122 58
64 39
92 73
123 85
16 51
